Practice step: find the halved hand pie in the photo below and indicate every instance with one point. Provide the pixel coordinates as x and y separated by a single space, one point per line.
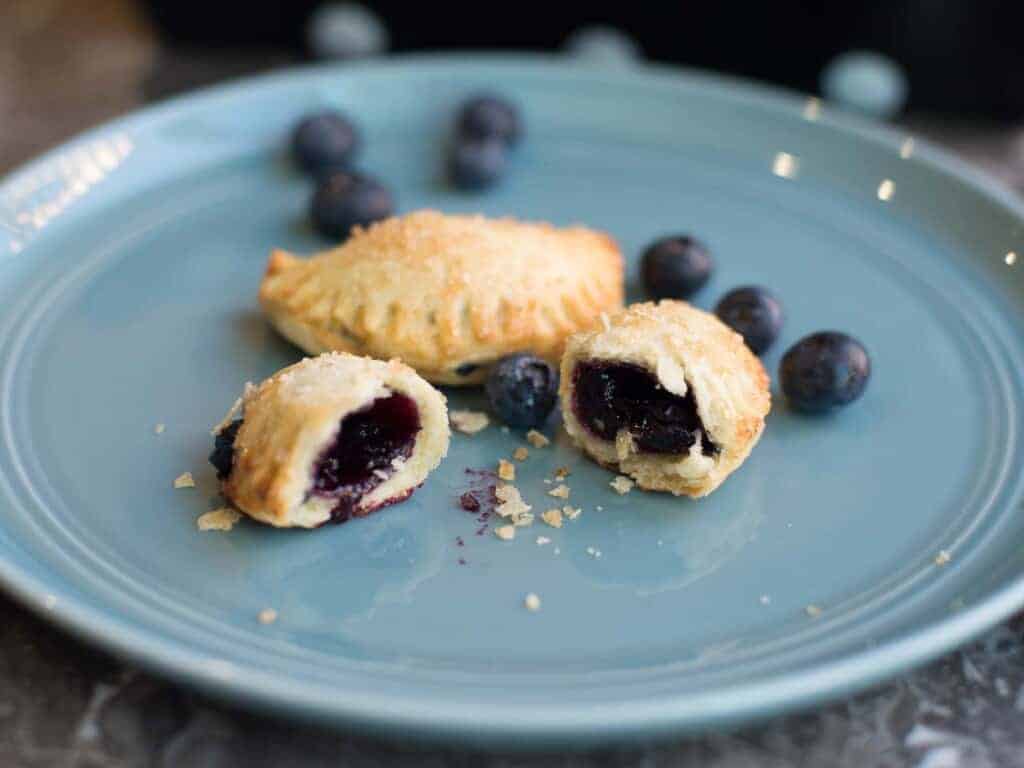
449 295
329 438
666 394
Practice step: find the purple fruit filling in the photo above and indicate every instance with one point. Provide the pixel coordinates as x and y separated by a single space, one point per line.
613 396
362 455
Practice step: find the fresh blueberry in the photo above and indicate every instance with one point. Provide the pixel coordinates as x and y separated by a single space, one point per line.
522 390
824 370
477 163
223 455
324 140
487 116
676 267
344 200
754 313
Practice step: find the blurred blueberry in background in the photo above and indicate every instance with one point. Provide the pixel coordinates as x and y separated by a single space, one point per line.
345 31
603 46
867 82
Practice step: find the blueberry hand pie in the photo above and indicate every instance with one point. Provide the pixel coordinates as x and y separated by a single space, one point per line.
448 295
666 394
329 438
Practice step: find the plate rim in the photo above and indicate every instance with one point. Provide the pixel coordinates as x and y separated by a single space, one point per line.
567 724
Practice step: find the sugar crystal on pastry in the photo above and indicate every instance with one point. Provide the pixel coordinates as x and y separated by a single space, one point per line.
667 395
330 438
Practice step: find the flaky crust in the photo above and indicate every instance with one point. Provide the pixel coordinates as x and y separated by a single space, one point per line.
441 292
683 347
291 417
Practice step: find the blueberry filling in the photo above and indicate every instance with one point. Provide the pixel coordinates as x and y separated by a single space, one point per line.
223 455
362 455
614 396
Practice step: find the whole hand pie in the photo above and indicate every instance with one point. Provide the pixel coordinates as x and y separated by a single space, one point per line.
448 295
329 438
666 394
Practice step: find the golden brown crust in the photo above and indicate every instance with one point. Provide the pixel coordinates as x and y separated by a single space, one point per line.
441 292
293 415
684 348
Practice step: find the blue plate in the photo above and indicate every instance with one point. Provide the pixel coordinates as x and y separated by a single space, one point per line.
129 261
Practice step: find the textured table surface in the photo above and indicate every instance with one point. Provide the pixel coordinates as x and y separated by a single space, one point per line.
64 704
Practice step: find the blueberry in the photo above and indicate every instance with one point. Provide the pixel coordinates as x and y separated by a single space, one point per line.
487 116
223 455
344 200
522 390
477 163
676 267
824 370
754 313
324 140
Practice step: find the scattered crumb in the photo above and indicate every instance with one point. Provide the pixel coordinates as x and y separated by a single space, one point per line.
184 480
661 543
222 519
552 517
532 602
506 470
542 540
942 558
267 616
561 473
159 429
505 532
468 422
594 552
599 508
510 503
558 551
524 519
560 491
765 599
622 485
813 611
547 481
521 453
537 439
571 513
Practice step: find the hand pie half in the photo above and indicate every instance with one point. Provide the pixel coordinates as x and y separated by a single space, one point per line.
330 438
666 394
448 295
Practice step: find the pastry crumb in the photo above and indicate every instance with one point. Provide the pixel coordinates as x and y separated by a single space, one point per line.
521 453
222 519
506 470
267 616
537 439
184 480
942 558
505 532
523 520
468 422
561 473
813 611
532 602
558 551
548 481
560 491
159 428
594 552
542 540
599 508
765 599
552 517
571 513
510 503
622 485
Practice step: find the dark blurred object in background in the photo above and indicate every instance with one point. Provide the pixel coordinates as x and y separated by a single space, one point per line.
961 56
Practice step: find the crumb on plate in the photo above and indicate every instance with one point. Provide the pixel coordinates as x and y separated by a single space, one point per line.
159 428
813 611
552 517
537 439
184 480
561 473
532 602
506 470
622 485
221 519
267 616
521 453
468 422
510 503
560 491
505 532
572 513
542 540
943 557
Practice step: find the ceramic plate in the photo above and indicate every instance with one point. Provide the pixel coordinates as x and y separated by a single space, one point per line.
129 261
